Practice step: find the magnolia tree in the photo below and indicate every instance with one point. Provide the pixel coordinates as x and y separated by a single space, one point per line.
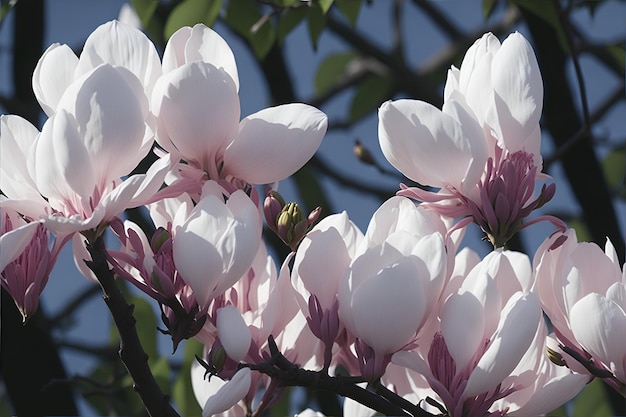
402 318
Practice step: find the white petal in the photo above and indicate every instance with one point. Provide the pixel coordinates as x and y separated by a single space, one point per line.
233 332
599 325
13 243
111 108
462 326
378 303
204 44
275 142
517 329
199 111
119 44
61 166
518 90
230 394
53 74
423 143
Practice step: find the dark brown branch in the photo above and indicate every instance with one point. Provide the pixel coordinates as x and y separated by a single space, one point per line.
131 352
288 374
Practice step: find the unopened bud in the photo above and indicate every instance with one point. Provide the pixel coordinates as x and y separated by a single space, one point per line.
555 357
159 238
217 357
363 154
272 207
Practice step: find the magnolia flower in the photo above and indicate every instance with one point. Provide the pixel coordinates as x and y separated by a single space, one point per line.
487 357
481 150
318 271
216 243
70 173
26 259
401 274
216 396
196 102
582 289
113 43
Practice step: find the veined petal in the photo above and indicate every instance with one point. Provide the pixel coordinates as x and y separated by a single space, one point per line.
517 329
53 74
423 143
13 242
119 44
275 142
233 332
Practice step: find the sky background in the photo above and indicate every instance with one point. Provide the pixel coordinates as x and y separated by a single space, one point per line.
71 21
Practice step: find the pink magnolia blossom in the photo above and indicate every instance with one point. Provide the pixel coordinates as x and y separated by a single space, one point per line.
216 242
26 259
582 290
481 150
196 102
487 358
399 271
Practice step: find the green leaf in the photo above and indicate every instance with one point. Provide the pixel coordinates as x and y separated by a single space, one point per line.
488 8
310 190
331 68
145 10
326 5
161 370
289 20
191 12
547 11
369 96
316 21
350 9
614 165
182 391
146 326
592 401
246 19
5 8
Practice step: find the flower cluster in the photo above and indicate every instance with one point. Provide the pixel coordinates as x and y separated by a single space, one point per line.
401 307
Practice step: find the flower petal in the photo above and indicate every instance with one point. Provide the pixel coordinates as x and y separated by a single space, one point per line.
233 332
275 142
423 143
53 74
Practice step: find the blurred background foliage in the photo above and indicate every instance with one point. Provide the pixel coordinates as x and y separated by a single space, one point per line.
589 156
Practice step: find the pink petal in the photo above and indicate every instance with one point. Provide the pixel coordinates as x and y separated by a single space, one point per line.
275 142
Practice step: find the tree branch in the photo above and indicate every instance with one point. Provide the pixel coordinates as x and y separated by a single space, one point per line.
131 352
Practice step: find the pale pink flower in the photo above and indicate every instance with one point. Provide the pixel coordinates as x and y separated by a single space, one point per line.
218 397
27 255
196 102
216 242
488 356
582 290
399 273
317 272
481 150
